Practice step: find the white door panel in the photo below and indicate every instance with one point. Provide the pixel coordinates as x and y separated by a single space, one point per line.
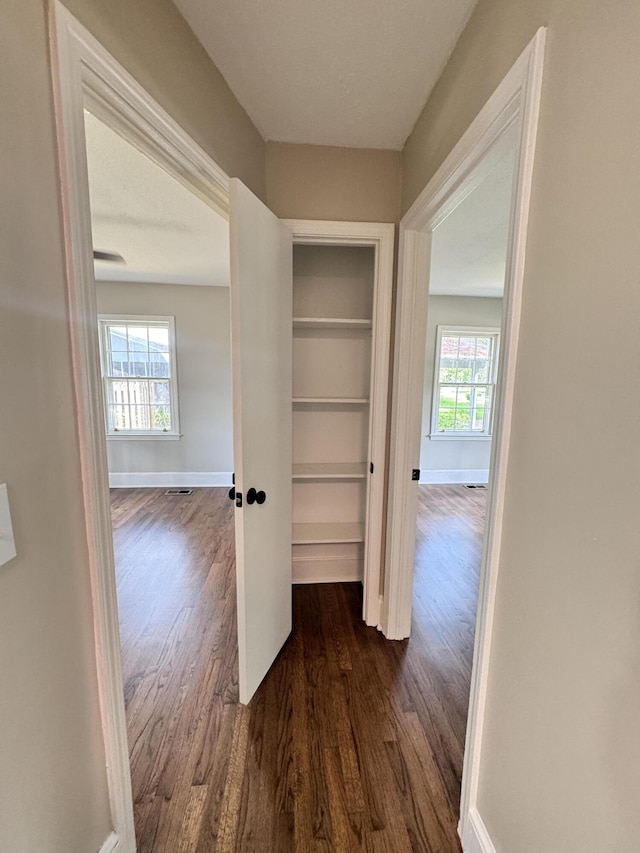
261 310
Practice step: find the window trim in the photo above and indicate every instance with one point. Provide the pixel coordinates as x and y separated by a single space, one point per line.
489 331
105 320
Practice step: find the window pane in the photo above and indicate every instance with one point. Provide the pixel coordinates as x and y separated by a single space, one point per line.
466 358
449 347
464 372
446 409
481 371
447 370
118 417
479 410
463 409
138 363
118 364
467 347
160 393
117 338
119 406
119 392
139 417
159 364
138 338
161 418
484 358
138 392
158 338
484 348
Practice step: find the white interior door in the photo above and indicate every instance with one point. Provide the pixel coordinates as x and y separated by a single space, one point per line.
261 310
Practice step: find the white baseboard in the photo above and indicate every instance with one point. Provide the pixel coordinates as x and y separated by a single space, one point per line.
475 838
325 569
455 475
169 479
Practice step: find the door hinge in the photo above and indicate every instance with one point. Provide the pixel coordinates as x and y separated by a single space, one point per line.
415 474
239 500
371 467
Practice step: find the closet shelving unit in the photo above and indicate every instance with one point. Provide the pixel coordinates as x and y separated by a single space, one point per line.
341 326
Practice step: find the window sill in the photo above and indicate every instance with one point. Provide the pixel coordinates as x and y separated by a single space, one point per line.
457 437
163 436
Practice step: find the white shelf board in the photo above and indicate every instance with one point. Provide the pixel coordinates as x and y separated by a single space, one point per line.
330 323
329 471
321 401
322 533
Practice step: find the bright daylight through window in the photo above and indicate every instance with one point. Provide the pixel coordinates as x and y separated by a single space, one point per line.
139 376
466 364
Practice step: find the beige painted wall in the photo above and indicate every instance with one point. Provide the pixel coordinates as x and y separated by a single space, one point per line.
325 182
52 774
450 454
495 36
156 45
560 769
203 353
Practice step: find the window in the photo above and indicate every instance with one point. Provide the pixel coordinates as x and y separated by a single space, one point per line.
465 381
139 376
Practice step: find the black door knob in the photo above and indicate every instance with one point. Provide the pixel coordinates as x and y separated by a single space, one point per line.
232 493
256 497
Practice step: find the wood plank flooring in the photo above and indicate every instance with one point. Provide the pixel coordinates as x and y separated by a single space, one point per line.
352 743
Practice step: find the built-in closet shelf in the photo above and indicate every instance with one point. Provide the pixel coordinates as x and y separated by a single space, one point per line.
340 324
330 323
329 471
324 533
329 401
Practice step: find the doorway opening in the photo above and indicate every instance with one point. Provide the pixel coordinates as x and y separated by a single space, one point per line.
513 106
161 267
462 343
342 281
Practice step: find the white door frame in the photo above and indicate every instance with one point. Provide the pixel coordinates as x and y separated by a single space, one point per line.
84 73
516 101
380 237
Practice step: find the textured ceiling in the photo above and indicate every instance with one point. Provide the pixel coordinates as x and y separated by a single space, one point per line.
469 249
163 231
341 72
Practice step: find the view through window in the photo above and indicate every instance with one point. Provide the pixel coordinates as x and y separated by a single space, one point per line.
138 368
466 367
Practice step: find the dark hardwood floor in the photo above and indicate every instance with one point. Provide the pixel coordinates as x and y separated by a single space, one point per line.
352 742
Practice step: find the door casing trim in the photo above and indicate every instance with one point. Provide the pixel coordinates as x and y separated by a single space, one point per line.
85 74
380 237
516 101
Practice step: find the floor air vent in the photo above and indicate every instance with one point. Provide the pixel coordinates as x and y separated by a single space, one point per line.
179 492
475 486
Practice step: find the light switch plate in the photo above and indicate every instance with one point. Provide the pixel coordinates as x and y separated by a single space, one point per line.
7 543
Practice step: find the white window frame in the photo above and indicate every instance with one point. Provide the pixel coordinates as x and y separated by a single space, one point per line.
463 435
106 320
